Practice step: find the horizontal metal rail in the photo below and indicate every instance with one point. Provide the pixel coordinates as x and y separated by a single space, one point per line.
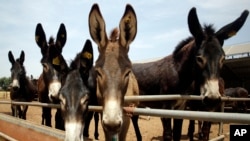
194 115
164 97
161 97
37 104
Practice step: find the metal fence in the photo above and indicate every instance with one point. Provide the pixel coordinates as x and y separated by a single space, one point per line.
193 115
180 114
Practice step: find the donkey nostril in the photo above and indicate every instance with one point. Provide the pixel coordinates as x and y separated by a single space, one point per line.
15 88
112 125
205 100
211 101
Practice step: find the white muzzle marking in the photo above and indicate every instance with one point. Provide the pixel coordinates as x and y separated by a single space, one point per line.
211 89
112 113
54 89
74 131
15 83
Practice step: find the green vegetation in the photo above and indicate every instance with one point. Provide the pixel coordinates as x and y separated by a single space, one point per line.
5 83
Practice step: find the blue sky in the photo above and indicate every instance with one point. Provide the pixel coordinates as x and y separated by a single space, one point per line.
162 24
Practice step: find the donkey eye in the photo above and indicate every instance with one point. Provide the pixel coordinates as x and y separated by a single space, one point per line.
127 73
98 73
201 61
222 61
45 67
84 100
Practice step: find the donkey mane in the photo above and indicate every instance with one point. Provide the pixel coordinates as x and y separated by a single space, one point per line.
208 32
51 40
209 29
75 63
181 45
114 35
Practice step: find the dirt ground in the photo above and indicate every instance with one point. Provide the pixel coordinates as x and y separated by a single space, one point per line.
151 129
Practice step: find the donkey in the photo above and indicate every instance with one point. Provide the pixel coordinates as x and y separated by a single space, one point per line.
54 72
198 58
113 71
204 126
75 94
237 92
22 88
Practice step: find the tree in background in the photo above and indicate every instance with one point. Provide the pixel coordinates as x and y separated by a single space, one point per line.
5 83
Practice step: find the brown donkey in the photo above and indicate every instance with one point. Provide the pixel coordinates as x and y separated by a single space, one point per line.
54 72
113 69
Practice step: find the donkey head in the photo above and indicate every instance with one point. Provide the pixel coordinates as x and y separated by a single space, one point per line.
74 95
113 67
54 65
18 72
210 55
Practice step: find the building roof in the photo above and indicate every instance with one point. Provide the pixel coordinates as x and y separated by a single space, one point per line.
236 68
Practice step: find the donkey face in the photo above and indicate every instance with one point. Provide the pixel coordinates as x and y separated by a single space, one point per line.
210 55
113 67
74 95
17 70
54 65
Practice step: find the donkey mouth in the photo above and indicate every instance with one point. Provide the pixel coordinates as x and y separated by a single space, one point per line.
112 126
211 103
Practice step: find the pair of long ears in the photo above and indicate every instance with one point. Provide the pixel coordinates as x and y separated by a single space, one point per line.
128 27
12 59
41 41
224 33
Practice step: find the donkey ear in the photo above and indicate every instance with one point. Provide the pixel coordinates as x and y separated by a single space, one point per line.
61 37
11 58
40 38
22 56
231 29
87 56
194 26
97 26
128 26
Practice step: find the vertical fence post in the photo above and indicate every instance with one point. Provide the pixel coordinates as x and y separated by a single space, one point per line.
221 123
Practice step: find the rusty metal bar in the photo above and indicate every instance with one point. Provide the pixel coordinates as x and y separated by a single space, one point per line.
20 129
219 138
4 137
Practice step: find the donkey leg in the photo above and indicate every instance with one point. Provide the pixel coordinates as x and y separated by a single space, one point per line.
19 111
46 116
87 123
124 130
191 130
13 109
25 109
167 131
177 129
200 132
134 119
206 130
59 122
96 117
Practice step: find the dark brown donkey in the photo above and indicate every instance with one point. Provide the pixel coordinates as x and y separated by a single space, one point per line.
22 89
204 126
75 94
114 75
237 92
198 58
54 72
